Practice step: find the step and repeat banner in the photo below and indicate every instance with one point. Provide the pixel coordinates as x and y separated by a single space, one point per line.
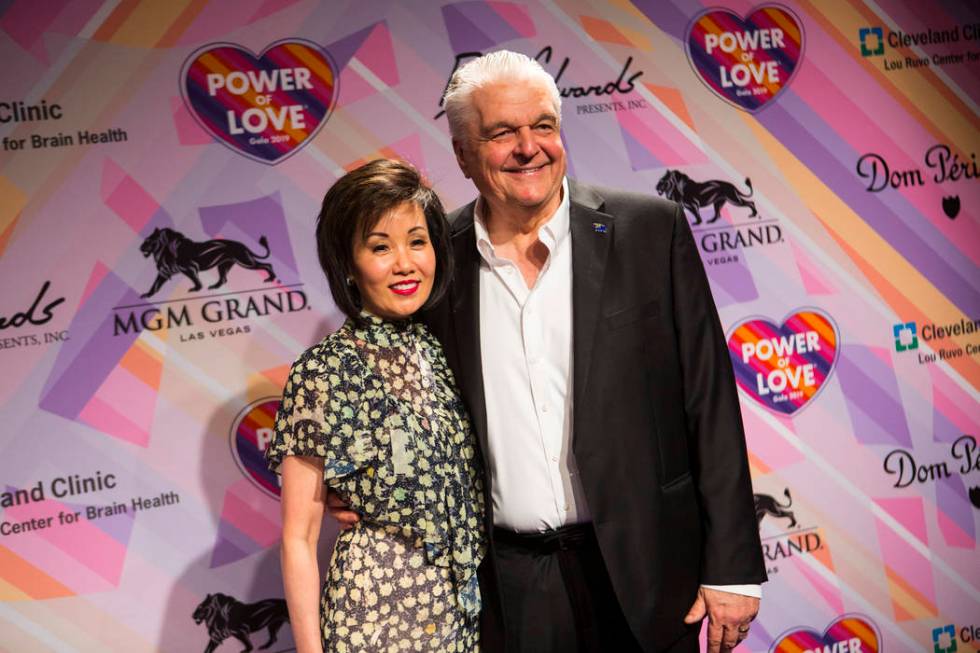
161 165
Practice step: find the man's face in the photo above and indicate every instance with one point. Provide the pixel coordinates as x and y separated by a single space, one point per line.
512 149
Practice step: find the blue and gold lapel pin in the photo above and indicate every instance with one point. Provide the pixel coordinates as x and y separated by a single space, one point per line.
599 228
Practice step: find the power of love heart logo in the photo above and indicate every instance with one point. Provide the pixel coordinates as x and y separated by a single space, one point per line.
749 61
784 367
265 107
850 633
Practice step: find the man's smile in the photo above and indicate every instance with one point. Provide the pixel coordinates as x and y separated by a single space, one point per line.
526 171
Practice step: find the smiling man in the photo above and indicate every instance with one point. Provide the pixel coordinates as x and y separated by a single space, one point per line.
582 332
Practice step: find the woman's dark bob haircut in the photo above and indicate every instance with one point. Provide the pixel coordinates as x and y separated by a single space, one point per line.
351 209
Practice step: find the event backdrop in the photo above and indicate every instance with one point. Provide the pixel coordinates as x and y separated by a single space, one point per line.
825 153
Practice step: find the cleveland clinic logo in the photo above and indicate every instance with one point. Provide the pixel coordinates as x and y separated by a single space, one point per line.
264 107
944 639
872 41
251 433
906 336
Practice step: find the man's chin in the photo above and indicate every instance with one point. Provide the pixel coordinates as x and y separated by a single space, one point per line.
534 199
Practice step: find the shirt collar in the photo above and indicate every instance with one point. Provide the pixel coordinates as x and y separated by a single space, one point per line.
552 233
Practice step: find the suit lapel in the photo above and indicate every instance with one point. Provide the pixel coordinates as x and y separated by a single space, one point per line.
465 306
592 234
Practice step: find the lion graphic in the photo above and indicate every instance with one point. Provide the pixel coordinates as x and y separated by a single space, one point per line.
173 252
695 195
766 504
227 617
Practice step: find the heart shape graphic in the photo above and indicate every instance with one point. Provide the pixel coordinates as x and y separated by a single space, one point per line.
746 62
784 367
265 107
850 632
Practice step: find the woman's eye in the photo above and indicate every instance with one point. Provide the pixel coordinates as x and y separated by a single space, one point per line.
419 242
378 249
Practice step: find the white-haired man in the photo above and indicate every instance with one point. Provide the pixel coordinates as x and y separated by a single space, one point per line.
582 333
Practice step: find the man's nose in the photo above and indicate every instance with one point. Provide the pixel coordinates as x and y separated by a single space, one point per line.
527 146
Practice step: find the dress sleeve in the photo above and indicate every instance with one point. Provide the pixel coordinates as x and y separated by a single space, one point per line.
317 417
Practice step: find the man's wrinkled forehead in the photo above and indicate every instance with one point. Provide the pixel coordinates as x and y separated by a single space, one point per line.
512 103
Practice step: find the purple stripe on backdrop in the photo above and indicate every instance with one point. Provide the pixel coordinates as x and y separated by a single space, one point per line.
343 51
953 500
231 545
476 26
963 12
671 17
873 400
263 216
811 140
93 353
119 527
734 280
85 361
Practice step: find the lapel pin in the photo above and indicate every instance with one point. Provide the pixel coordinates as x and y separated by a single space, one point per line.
599 228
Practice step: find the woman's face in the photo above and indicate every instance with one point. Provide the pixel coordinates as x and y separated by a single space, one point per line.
395 265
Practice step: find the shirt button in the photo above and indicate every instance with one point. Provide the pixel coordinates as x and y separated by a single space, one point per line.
566 508
554 459
544 409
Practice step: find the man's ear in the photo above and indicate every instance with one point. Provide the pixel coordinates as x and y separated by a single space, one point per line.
461 159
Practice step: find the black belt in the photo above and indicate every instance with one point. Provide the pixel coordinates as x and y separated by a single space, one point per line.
573 536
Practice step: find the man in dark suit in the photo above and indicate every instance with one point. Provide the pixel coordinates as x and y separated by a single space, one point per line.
611 513
585 342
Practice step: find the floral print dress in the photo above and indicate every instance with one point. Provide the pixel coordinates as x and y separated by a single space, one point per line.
377 401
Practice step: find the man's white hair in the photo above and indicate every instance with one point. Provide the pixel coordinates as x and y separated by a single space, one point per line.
499 66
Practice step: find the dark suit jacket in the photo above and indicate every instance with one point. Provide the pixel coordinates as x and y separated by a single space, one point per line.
657 432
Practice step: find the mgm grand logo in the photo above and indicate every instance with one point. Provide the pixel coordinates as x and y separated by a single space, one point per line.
792 540
703 201
207 315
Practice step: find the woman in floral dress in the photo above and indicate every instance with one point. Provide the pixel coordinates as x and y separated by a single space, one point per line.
372 413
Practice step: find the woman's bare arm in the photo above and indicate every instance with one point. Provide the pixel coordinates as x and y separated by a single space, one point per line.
303 496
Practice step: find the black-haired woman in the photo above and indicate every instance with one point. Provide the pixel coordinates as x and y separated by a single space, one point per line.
373 414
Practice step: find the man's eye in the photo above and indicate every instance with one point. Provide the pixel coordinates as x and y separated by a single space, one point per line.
501 135
544 128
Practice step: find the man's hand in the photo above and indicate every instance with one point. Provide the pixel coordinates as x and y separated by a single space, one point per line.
346 518
729 616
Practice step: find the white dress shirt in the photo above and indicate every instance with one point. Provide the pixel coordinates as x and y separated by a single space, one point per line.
526 346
